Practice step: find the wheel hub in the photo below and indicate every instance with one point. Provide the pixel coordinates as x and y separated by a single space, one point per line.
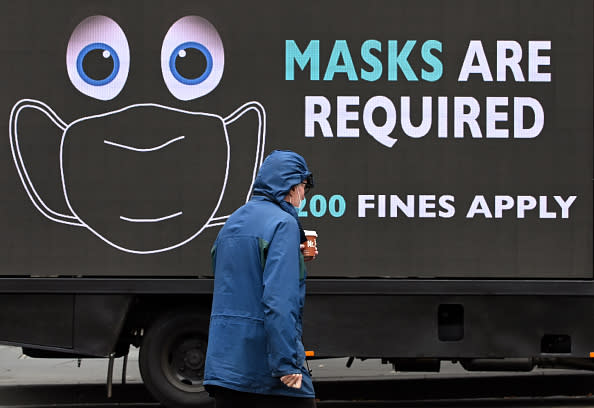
186 361
194 359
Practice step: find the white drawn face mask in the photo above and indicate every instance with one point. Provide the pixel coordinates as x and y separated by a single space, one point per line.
140 192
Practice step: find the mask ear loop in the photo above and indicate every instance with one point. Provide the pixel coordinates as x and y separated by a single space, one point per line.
239 112
236 114
37 201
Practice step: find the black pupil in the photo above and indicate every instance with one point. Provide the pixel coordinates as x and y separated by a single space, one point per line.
190 63
96 65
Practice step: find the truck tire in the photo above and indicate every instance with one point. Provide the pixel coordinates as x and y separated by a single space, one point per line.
172 357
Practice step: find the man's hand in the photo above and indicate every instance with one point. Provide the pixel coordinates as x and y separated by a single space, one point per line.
292 380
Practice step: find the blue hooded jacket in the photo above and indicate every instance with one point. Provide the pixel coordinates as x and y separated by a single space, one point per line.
259 288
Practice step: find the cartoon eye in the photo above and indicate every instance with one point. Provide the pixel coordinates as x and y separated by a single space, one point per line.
98 64
98 58
190 63
192 58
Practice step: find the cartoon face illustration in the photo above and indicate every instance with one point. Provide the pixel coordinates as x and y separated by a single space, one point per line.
141 192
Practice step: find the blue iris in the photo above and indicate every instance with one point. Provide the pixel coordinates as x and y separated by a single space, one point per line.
188 51
95 54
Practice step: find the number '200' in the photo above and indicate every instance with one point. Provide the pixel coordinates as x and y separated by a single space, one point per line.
319 206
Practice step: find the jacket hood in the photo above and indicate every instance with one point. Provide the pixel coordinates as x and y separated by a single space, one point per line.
280 171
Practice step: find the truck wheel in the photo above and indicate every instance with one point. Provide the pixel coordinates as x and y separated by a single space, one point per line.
172 359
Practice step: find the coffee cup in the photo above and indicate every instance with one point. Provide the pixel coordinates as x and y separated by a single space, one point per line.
309 252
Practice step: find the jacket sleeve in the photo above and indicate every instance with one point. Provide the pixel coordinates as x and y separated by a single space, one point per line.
281 300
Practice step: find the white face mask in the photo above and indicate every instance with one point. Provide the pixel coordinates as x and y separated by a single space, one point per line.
301 202
133 231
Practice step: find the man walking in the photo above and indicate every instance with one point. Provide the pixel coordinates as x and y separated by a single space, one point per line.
255 354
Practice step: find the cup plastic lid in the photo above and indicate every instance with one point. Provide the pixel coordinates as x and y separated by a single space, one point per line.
310 233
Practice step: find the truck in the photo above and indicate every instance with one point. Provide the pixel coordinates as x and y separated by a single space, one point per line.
451 146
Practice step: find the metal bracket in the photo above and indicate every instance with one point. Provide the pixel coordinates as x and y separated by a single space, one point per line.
110 374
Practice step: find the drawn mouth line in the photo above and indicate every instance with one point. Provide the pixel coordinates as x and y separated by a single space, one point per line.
150 149
151 219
